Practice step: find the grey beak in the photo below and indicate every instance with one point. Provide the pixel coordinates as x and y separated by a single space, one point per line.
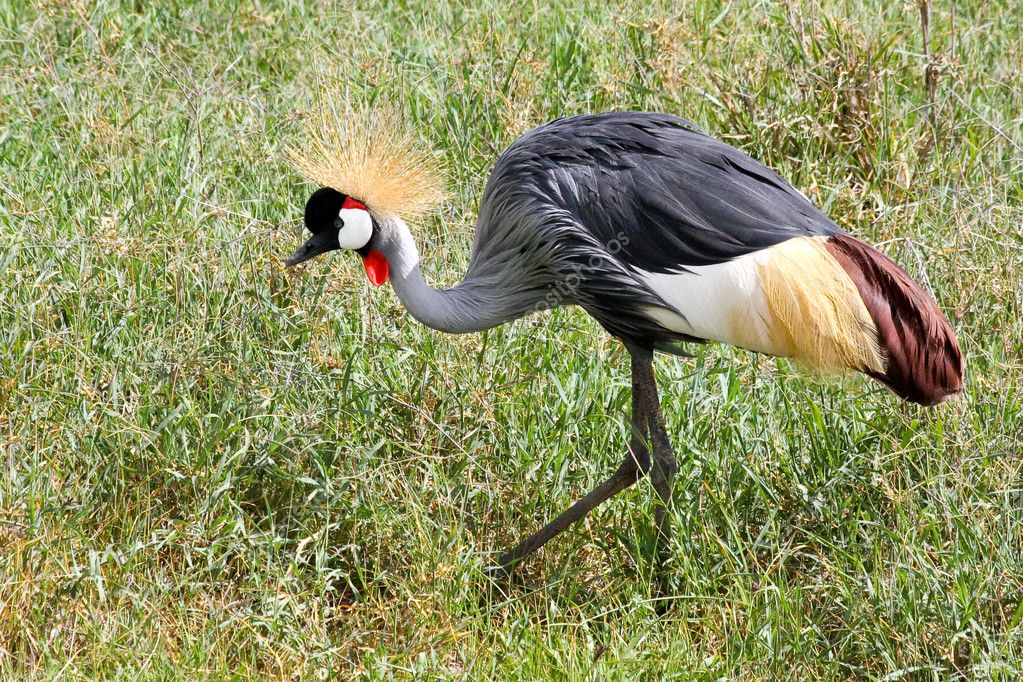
317 244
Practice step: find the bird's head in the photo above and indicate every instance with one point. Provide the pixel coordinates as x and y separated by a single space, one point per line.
338 221
370 170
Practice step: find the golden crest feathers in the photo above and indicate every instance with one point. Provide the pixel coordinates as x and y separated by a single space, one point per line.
371 157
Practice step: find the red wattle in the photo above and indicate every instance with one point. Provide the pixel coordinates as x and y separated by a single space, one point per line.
377 267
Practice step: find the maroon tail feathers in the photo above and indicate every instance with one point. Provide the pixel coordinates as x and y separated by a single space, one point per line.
925 364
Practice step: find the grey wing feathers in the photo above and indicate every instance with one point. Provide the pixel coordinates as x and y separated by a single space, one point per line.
669 195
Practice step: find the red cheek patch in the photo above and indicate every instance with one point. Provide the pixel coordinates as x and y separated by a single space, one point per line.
353 203
377 267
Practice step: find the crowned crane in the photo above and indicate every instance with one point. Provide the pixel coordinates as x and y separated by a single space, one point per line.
664 235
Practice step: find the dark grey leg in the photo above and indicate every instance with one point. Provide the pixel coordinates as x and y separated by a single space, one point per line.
633 467
662 471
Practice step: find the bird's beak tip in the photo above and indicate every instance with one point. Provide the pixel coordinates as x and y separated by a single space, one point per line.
317 244
295 259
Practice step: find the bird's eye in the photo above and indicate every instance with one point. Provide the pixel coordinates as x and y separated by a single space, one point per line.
339 222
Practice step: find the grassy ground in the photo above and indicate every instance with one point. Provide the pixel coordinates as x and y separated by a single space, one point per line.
212 467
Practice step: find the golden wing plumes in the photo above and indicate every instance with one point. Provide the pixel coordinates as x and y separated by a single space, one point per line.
372 157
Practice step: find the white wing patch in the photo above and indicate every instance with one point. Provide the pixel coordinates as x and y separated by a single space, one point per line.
722 302
792 300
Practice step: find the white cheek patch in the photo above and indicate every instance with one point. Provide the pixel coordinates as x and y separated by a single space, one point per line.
358 228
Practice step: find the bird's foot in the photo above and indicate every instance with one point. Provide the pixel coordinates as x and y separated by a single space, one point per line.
497 572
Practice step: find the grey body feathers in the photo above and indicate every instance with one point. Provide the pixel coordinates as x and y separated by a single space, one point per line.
574 205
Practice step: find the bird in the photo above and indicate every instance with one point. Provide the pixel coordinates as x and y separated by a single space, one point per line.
665 235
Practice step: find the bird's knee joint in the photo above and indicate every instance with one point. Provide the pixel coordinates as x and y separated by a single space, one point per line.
637 461
667 466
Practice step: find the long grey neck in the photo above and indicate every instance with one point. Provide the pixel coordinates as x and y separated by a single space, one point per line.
470 306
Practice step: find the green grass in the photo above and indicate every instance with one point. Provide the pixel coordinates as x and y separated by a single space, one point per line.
213 467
